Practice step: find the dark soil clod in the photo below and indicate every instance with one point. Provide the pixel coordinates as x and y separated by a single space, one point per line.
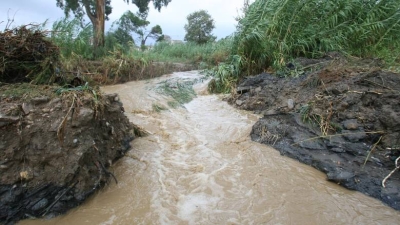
345 122
42 176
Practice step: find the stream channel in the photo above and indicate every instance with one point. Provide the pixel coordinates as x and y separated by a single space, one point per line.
199 166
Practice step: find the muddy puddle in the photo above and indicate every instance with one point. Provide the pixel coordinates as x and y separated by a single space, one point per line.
199 166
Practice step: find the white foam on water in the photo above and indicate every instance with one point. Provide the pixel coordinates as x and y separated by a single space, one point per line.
192 207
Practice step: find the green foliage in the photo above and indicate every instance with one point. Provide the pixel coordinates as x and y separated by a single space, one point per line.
72 38
80 7
119 39
225 75
199 27
131 23
305 111
209 54
26 91
273 32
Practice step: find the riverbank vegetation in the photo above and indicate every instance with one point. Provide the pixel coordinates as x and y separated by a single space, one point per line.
269 35
272 33
120 60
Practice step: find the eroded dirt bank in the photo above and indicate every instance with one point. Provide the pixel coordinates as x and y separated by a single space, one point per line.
331 118
56 148
200 166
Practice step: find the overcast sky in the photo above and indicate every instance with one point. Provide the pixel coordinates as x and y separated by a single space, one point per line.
171 19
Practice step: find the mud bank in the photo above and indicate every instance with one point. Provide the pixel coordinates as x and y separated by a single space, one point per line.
56 150
334 118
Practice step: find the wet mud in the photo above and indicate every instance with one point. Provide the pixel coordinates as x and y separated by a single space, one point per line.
343 118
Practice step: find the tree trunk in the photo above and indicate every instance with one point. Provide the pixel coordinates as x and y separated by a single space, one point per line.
98 20
98 27
143 43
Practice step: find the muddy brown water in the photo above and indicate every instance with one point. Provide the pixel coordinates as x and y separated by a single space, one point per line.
199 166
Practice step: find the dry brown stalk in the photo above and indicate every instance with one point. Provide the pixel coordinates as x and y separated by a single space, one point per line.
61 127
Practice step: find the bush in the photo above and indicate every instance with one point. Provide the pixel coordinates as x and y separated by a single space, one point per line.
210 53
72 38
273 32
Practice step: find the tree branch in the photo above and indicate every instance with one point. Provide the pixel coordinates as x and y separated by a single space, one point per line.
91 16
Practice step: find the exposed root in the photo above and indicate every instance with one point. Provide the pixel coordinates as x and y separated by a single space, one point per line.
108 173
61 127
372 149
58 199
390 174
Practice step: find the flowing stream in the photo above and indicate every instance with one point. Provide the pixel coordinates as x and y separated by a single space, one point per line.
199 166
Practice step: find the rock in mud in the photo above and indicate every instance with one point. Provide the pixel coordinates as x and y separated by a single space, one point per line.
238 102
290 103
351 124
342 177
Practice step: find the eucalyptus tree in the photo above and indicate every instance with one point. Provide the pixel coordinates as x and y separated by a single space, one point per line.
137 23
99 10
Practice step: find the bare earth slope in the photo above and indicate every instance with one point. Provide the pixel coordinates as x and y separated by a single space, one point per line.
55 149
331 118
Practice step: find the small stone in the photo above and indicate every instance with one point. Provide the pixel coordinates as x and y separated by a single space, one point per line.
26 108
3 167
75 141
25 175
270 112
290 103
46 110
239 102
351 124
242 90
258 89
84 117
339 176
116 99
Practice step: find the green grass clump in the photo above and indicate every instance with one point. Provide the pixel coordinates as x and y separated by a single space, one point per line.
73 38
225 75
